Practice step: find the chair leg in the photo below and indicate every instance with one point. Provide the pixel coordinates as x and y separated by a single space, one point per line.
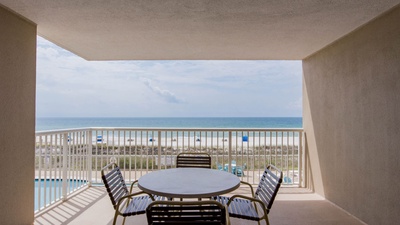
123 222
115 217
266 220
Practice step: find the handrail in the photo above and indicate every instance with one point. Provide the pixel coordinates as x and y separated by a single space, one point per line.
78 154
164 129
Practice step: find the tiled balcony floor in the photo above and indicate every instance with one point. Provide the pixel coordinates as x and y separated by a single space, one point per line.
292 206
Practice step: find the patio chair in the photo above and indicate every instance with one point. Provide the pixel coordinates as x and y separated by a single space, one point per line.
219 166
186 212
245 207
193 160
235 169
125 202
239 170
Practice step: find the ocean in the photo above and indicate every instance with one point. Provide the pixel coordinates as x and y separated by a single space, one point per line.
55 123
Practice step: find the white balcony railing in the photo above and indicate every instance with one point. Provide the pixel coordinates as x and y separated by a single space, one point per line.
67 160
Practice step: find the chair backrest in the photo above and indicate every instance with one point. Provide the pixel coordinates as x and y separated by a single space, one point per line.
269 185
186 212
114 183
193 160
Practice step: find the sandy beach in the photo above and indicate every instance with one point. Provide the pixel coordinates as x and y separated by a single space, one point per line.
221 142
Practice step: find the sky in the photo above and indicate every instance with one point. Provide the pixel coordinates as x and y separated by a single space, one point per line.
69 86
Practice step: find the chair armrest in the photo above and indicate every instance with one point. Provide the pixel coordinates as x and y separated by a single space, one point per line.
134 194
254 200
251 187
134 182
121 200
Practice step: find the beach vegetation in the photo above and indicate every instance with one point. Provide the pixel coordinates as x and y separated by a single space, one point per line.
124 162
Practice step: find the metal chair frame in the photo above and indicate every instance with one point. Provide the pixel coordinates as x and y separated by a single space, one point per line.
244 207
193 160
187 212
121 198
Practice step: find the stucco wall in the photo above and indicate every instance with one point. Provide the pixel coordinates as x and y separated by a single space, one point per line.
17 118
352 120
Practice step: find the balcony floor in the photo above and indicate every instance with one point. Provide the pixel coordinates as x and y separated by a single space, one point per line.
292 206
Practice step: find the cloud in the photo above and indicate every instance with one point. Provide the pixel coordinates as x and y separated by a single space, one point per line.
165 94
68 85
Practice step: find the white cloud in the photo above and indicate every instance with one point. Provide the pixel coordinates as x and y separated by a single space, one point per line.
165 94
68 85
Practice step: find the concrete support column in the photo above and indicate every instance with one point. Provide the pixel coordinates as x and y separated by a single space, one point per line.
351 108
17 118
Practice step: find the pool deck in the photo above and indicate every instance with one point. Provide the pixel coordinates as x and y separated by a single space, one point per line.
292 206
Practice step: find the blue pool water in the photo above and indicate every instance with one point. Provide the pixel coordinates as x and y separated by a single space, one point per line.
52 189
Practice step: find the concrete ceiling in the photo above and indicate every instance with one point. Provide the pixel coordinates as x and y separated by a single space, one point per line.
196 29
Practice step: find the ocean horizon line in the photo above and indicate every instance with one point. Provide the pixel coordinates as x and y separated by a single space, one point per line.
52 123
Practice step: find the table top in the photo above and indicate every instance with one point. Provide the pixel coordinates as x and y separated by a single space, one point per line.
188 182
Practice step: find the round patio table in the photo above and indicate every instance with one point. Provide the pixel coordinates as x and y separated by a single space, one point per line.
188 182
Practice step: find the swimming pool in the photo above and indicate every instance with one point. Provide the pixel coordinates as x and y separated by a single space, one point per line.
50 190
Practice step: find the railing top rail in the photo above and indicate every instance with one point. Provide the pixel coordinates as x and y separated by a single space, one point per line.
167 129
61 131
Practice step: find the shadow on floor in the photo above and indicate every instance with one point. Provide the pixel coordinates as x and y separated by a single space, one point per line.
292 206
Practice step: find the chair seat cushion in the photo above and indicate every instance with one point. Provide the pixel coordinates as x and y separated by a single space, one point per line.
239 208
138 204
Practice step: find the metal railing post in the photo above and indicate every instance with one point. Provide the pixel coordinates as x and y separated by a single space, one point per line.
65 165
230 152
159 150
301 160
89 148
